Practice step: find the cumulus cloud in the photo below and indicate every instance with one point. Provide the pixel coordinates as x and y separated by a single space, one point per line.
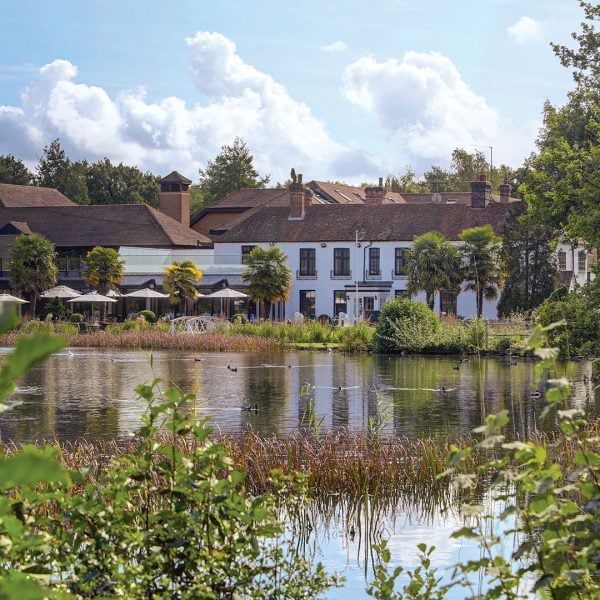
525 30
160 136
422 102
335 47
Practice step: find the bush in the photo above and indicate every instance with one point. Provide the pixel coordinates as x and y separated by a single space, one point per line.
357 338
76 318
55 309
406 325
148 315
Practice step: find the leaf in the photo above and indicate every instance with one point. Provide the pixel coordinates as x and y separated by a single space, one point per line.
31 466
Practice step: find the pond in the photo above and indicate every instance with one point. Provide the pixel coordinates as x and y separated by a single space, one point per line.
88 393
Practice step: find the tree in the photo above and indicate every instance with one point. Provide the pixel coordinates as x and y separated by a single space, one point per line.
181 280
433 265
231 170
121 184
32 265
527 260
13 170
482 273
56 170
405 182
103 268
563 186
268 276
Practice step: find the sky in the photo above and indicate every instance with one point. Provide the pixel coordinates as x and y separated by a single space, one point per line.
338 89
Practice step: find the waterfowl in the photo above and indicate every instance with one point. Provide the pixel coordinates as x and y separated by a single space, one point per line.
234 369
535 394
513 363
340 388
443 389
456 368
198 359
465 361
251 407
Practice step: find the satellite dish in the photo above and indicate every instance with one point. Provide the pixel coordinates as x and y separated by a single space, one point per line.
437 198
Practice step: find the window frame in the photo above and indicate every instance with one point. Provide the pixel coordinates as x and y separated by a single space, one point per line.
304 300
374 262
307 265
341 259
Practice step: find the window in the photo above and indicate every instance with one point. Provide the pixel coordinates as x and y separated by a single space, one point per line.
562 260
374 261
307 262
307 303
448 303
400 261
340 302
581 260
246 253
341 262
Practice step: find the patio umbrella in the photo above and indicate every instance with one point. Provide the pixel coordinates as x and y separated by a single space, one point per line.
146 293
92 297
227 293
60 291
114 294
10 298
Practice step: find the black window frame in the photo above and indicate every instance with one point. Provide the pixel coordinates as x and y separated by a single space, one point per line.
400 261
342 294
246 250
374 262
341 262
305 302
307 262
581 261
562 260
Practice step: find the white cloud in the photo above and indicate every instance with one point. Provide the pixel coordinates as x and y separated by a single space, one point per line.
160 136
525 30
422 102
335 47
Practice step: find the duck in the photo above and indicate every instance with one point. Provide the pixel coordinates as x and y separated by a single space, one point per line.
250 407
197 359
535 394
234 369
340 388
456 368
513 363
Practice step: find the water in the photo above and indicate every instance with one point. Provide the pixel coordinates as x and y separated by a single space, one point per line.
88 393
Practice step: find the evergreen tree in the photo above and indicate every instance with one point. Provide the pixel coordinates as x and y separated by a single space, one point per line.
528 261
32 265
231 170
56 170
181 280
13 170
103 268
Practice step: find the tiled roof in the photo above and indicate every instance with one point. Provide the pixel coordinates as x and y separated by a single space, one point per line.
341 193
174 176
388 222
446 198
13 196
104 225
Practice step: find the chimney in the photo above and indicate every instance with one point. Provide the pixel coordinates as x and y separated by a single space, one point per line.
174 199
480 192
299 197
375 195
505 190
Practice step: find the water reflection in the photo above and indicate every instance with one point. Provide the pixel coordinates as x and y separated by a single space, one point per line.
90 393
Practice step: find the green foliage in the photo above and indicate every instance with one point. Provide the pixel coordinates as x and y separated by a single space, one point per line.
32 267
76 318
231 170
268 276
433 265
53 327
482 273
527 260
405 325
147 315
56 170
55 309
181 280
13 170
357 338
121 184
103 269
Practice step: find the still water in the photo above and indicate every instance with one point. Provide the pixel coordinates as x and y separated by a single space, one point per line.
89 393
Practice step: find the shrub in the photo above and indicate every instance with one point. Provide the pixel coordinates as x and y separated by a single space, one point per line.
148 315
76 318
357 338
55 309
406 325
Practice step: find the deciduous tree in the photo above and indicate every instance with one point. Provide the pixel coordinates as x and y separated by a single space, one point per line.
13 170
32 265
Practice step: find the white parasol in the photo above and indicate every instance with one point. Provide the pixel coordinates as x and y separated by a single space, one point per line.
146 293
226 293
92 297
60 291
11 298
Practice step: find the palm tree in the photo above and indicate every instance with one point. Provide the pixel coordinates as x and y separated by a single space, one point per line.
103 269
268 276
181 279
483 275
32 267
434 264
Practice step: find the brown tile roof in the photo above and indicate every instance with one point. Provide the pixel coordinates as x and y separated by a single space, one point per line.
104 225
341 193
12 196
175 177
446 198
388 222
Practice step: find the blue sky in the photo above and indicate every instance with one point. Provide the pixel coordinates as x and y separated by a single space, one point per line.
340 90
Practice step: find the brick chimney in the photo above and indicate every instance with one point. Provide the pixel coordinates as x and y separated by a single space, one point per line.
174 199
300 197
480 192
505 190
374 195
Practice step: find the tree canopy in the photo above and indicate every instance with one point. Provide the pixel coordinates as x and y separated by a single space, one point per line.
13 170
268 276
103 268
181 279
32 265
231 170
